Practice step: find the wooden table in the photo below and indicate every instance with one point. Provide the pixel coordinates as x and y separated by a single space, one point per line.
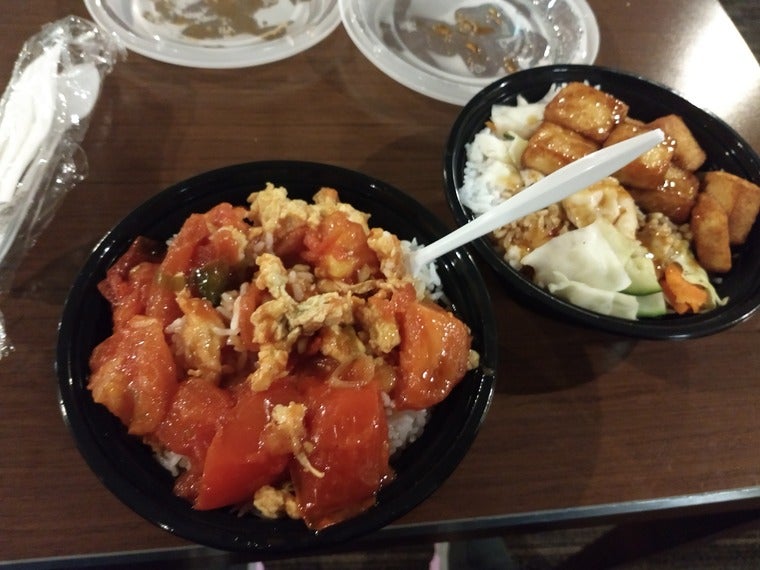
584 426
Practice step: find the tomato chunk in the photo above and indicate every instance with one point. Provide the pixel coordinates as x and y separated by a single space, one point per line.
196 413
140 251
128 282
433 356
225 214
134 374
179 256
349 430
288 246
338 249
129 297
239 461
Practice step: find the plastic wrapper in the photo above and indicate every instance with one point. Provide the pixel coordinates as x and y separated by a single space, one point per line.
44 114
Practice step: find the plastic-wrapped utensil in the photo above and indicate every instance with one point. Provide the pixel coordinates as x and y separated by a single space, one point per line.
44 115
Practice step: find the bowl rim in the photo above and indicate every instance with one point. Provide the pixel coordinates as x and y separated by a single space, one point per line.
212 528
675 327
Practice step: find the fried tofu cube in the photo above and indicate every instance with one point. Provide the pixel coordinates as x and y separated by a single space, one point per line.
687 153
648 171
740 198
709 225
675 197
720 187
551 147
586 110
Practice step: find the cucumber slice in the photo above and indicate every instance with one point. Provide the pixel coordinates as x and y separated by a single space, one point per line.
639 268
651 305
643 276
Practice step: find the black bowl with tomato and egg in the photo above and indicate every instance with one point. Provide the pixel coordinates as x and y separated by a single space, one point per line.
128 467
647 101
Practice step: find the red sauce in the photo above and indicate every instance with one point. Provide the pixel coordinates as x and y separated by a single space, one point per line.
318 429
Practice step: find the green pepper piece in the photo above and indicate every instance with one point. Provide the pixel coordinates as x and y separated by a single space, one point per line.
211 280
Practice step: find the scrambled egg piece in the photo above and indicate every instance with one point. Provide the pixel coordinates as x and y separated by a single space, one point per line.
324 310
273 503
272 364
286 431
383 331
276 214
388 249
327 202
197 338
342 343
298 304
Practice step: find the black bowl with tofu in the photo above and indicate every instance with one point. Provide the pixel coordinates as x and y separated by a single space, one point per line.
128 467
703 181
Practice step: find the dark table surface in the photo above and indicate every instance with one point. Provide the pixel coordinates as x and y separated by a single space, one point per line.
583 425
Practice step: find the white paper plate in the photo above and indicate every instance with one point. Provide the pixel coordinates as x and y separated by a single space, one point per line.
450 49
194 34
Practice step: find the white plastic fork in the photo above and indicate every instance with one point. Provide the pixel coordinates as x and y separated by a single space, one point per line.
30 134
558 185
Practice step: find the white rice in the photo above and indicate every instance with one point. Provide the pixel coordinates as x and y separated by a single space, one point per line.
427 277
235 313
404 426
492 172
175 463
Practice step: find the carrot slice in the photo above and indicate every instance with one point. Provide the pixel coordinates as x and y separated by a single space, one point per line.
683 296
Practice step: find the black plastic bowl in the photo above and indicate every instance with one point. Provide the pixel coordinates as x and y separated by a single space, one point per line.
725 149
126 466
